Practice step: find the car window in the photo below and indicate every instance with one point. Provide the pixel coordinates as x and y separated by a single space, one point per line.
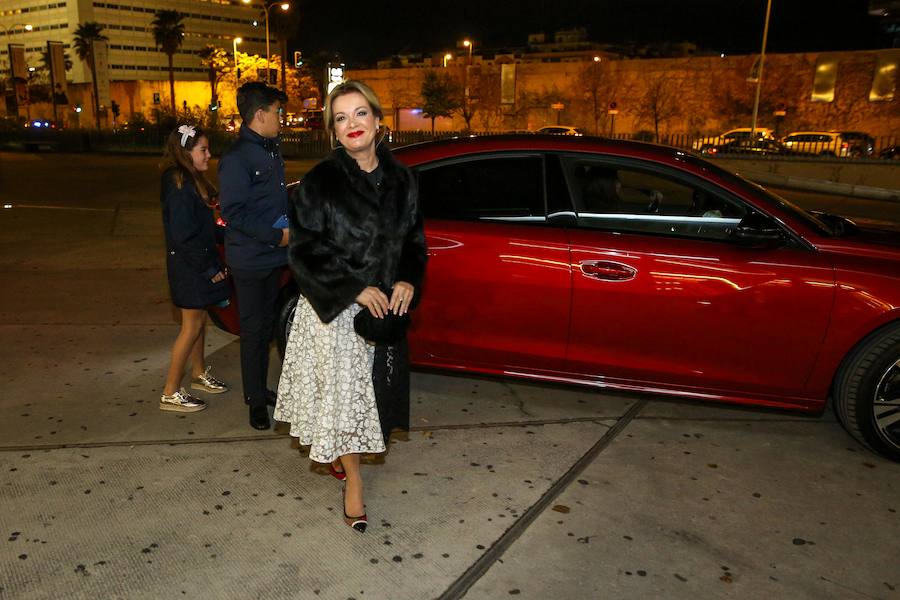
488 188
633 199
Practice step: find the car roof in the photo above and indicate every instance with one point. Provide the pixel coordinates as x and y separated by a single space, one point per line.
448 148
814 133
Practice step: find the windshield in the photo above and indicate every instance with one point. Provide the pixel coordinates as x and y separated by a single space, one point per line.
788 206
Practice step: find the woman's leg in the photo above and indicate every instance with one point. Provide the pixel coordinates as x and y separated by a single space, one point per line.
354 506
198 357
192 320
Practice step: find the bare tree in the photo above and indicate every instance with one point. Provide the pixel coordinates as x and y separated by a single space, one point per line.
487 91
592 80
660 103
398 94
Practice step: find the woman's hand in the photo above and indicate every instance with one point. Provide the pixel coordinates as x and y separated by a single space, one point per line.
375 300
218 277
401 297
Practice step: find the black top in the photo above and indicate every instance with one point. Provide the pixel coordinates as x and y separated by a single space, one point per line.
349 232
191 258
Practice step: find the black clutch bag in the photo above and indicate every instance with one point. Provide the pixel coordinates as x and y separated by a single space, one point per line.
387 331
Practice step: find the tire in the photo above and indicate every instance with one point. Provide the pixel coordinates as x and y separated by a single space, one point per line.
867 392
286 308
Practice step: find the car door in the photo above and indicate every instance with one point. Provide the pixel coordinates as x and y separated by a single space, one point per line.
497 287
663 295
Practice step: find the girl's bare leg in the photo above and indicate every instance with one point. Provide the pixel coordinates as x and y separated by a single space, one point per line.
192 321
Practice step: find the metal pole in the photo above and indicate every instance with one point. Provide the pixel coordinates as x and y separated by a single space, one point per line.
234 43
759 76
267 40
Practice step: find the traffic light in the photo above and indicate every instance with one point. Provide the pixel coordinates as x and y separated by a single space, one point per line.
115 108
298 59
77 108
213 107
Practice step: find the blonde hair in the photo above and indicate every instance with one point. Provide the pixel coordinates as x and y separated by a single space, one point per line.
348 87
179 157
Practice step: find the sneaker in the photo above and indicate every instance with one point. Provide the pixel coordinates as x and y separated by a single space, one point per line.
181 401
207 383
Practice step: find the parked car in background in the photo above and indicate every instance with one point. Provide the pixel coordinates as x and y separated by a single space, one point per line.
732 135
757 147
859 143
819 143
561 130
890 152
636 267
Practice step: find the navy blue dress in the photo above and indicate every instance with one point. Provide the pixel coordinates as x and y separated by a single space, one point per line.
191 259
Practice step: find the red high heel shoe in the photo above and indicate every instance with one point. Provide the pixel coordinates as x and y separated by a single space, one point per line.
339 475
358 523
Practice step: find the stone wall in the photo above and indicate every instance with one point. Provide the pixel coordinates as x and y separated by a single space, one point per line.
691 96
694 95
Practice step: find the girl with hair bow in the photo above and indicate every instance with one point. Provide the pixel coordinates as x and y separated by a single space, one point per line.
196 277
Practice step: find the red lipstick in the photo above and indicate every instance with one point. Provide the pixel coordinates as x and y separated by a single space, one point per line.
354 134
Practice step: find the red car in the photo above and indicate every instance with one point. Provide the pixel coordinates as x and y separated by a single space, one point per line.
644 268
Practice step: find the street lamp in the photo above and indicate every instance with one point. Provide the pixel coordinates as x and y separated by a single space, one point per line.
468 44
237 71
447 57
267 6
759 75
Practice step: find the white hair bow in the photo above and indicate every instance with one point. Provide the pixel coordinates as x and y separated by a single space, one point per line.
186 131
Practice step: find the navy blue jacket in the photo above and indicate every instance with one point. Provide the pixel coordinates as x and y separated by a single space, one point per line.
191 259
252 197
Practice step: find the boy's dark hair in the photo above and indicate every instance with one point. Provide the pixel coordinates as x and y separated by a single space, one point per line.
255 95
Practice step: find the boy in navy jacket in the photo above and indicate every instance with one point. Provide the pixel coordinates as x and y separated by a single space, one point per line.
253 201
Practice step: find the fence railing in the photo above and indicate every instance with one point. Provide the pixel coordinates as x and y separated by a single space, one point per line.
316 144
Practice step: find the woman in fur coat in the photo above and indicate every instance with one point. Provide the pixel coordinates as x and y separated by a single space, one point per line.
356 243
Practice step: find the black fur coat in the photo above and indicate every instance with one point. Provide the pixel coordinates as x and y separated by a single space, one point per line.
346 234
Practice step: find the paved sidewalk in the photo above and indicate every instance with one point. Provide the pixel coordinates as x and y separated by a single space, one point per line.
502 488
112 498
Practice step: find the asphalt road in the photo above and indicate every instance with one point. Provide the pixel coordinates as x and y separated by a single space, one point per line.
501 489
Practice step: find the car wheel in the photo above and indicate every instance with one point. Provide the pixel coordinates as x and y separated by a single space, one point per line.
867 392
286 311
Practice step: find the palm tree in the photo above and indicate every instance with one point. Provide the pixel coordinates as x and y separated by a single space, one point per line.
168 32
85 36
44 67
215 60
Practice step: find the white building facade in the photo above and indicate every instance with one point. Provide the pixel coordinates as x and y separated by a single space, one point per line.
133 55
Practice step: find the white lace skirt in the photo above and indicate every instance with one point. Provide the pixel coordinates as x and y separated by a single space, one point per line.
326 391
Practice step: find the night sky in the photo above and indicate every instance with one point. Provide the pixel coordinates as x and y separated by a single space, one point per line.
366 31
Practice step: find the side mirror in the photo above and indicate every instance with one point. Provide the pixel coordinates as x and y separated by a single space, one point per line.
758 231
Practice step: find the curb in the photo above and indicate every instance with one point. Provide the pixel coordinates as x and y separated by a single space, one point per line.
824 186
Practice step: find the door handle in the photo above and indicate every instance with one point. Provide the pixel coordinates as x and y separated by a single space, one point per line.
607 270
